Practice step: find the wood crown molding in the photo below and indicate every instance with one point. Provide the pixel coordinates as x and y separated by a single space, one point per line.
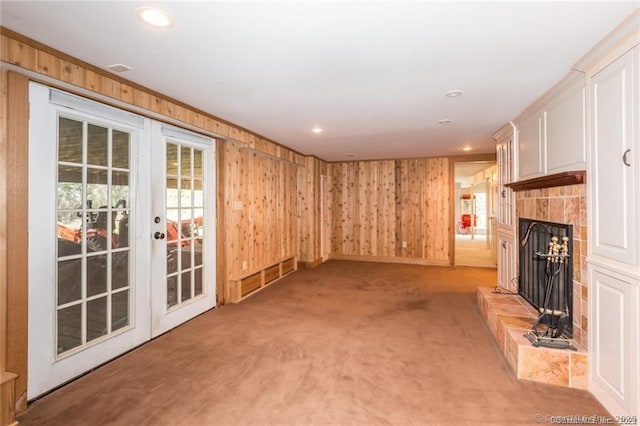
549 181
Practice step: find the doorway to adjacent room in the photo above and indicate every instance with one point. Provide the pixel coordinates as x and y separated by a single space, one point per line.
475 225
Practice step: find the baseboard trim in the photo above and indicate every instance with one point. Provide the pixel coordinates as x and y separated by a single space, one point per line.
310 265
390 259
7 398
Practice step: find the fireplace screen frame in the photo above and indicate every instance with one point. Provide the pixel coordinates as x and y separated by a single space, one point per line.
533 270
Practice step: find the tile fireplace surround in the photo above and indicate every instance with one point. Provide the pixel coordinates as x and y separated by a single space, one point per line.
565 204
510 317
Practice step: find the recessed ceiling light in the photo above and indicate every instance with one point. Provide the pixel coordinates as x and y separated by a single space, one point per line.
453 93
466 148
351 155
154 17
316 130
119 68
444 121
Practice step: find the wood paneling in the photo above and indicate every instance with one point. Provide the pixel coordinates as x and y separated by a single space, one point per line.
3 218
391 209
7 380
261 210
221 235
310 210
17 224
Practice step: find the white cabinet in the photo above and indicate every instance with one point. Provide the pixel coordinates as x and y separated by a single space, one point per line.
614 232
506 247
507 252
551 133
505 164
614 160
615 348
565 133
531 147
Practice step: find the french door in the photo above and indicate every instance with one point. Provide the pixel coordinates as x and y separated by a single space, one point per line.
109 267
183 236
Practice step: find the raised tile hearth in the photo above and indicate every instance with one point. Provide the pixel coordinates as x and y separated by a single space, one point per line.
509 317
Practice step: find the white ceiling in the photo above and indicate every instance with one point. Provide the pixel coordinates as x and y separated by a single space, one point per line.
372 74
466 170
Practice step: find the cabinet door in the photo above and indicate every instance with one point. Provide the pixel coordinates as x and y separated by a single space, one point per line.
565 130
614 337
504 156
531 147
614 198
507 261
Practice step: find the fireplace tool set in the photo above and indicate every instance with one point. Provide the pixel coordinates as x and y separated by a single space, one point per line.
548 329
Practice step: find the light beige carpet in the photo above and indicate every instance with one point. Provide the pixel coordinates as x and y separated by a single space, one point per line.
347 343
473 252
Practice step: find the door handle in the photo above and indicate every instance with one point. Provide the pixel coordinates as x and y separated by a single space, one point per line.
624 158
504 245
158 235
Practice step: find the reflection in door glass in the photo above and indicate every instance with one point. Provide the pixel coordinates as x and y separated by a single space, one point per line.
93 212
97 145
172 291
120 150
96 275
186 286
69 184
70 289
119 310
69 328
96 318
184 214
70 140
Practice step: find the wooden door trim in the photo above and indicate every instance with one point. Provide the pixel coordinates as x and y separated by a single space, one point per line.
17 237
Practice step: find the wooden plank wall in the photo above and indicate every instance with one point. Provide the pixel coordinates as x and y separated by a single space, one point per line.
261 210
7 398
378 205
17 122
309 210
3 218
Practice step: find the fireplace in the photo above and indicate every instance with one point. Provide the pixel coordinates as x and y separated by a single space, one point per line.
545 279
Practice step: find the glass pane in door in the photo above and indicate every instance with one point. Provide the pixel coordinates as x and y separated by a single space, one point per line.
93 274
184 213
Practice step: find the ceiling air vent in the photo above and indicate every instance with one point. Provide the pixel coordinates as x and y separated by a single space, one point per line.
119 68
